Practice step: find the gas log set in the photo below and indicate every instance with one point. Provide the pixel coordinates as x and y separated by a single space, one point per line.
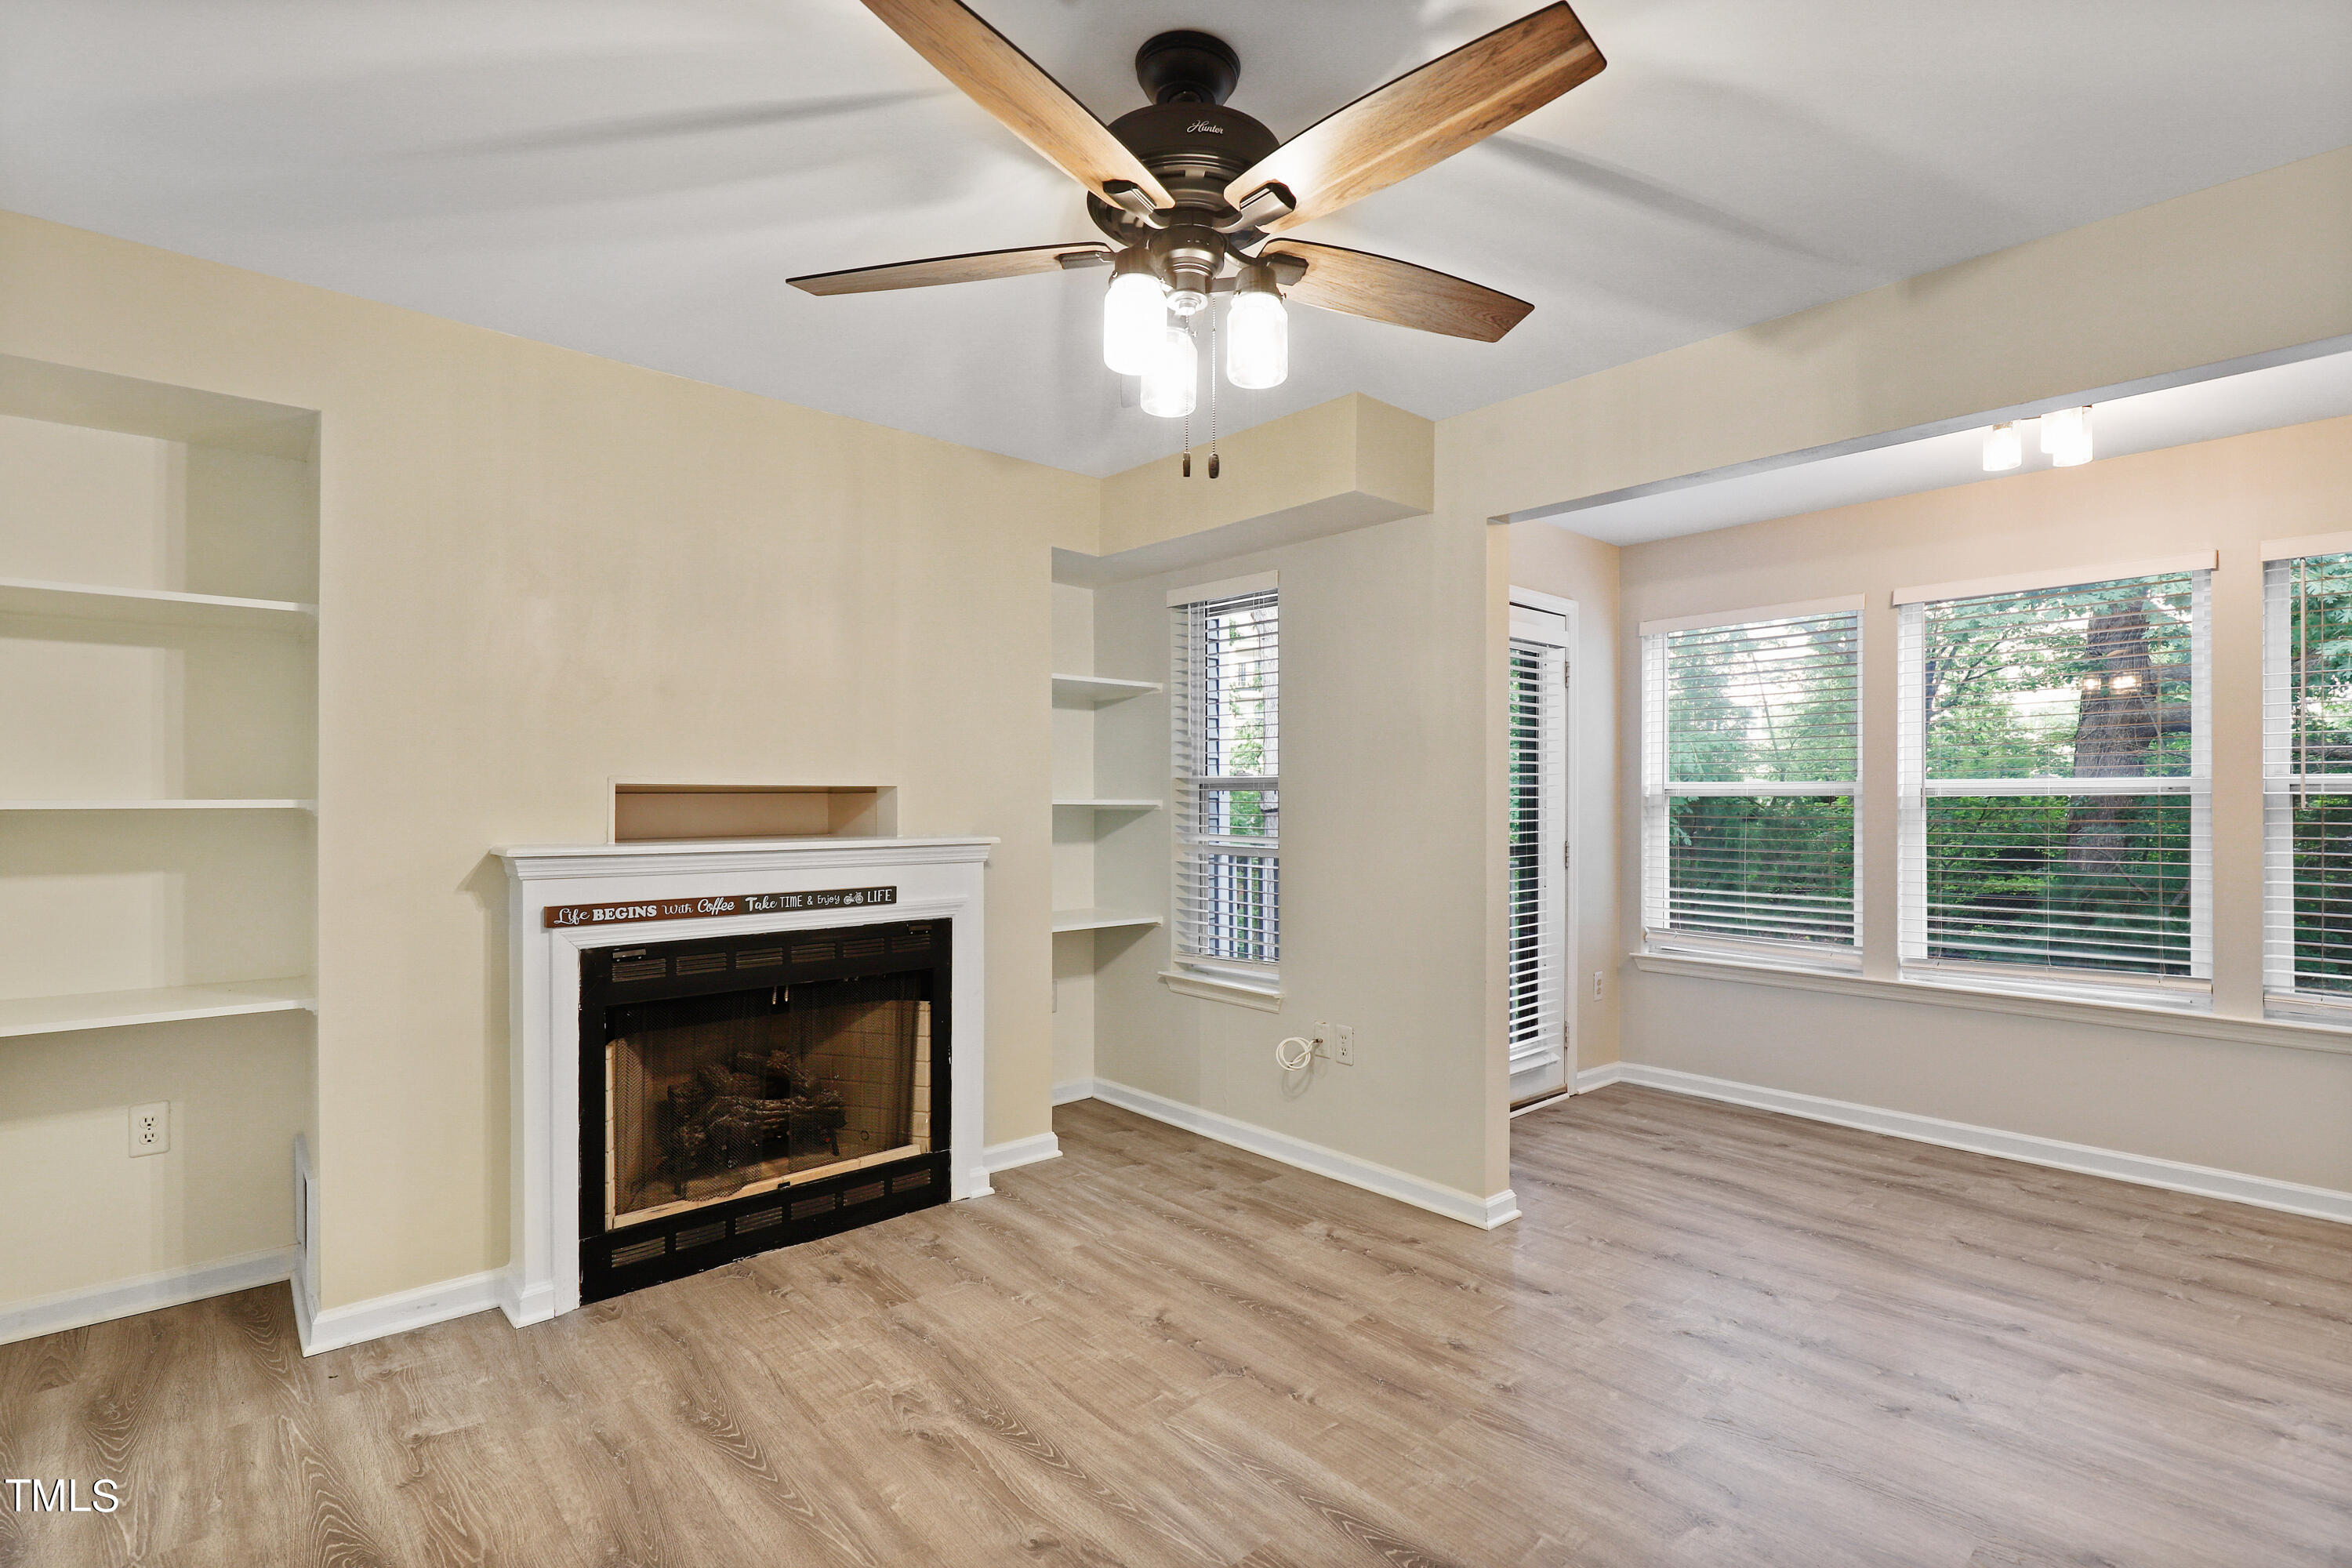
741 1114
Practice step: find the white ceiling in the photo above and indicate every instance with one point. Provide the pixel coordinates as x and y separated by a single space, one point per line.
2319 387
636 178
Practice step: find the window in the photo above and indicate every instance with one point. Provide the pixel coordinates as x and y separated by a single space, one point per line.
1749 762
1537 872
2307 787
1228 913
2054 784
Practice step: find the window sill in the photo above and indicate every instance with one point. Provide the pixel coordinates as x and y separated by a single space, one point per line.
1209 989
2109 1014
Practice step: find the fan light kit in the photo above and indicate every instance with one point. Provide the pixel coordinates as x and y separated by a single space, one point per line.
1197 199
2065 440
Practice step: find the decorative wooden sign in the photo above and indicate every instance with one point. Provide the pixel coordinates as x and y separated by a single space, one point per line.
717 904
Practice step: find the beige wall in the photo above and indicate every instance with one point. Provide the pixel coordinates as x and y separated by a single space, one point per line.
538 571
1389 648
81 1212
2263 1109
2242 269
1074 838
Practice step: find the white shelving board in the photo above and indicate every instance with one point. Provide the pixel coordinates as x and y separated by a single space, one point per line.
1098 689
1110 804
163 1005
181 805
150 607
1099 920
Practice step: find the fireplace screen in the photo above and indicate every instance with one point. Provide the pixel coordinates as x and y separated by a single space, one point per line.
743 1093
712 1096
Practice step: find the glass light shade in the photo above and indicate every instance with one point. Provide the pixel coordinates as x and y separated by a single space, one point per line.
1257 339
1135 319
2004 448
1172 383
2066 436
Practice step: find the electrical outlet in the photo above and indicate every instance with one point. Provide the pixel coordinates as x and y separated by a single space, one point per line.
1596 985
1343 1045
151 1128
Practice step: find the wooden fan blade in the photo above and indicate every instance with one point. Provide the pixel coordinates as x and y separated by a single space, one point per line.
1382 288
998 76
1424 116
970 267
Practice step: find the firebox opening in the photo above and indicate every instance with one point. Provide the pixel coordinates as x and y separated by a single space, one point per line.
745 1092
718 1097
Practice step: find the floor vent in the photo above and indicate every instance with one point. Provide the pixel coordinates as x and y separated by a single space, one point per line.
758 1219
910 1180
640 1251
865 1195
808 1208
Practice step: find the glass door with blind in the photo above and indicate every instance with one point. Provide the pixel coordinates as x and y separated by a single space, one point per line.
1541 1038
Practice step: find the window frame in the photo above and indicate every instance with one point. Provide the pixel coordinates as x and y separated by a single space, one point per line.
1914 789
1658 794
1189 845
2283 783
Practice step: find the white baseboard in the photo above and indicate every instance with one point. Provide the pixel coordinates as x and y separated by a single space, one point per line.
2202 1180
1486 1212
1019 1152
1601 1077
147 1293
1077 1089
332 1328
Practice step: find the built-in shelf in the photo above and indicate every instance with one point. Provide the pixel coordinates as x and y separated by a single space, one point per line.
1097 689
150 607
1110 804
163 1005
158 806
1099 920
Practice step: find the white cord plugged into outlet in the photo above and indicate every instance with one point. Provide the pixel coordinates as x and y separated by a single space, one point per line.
1306 1052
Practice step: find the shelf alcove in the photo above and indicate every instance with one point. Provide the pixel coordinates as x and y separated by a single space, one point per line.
158 685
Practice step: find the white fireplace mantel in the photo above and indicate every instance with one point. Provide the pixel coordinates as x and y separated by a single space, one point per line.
935 877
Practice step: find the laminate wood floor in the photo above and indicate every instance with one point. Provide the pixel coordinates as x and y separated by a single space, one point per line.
1716 1337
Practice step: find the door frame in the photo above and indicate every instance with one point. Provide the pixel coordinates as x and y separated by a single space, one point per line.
1571 860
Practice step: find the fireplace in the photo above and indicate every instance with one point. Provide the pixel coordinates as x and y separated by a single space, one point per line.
740 1093
725 1046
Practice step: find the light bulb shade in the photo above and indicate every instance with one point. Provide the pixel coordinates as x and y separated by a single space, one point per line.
1257 339
1172 385
1135 319
2066 436
2004 448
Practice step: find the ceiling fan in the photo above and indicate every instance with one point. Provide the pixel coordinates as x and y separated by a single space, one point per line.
1198 198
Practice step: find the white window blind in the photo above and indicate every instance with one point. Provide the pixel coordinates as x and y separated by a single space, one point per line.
2307 787
1537 973
1749 762
2054 783
1227 681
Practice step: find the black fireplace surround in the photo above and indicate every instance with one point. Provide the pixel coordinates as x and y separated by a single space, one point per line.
742 1093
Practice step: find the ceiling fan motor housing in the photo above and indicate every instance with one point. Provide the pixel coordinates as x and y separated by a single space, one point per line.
1195 150
1187 68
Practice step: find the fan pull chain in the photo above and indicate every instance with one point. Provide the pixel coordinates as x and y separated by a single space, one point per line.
1213 391
1188 424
